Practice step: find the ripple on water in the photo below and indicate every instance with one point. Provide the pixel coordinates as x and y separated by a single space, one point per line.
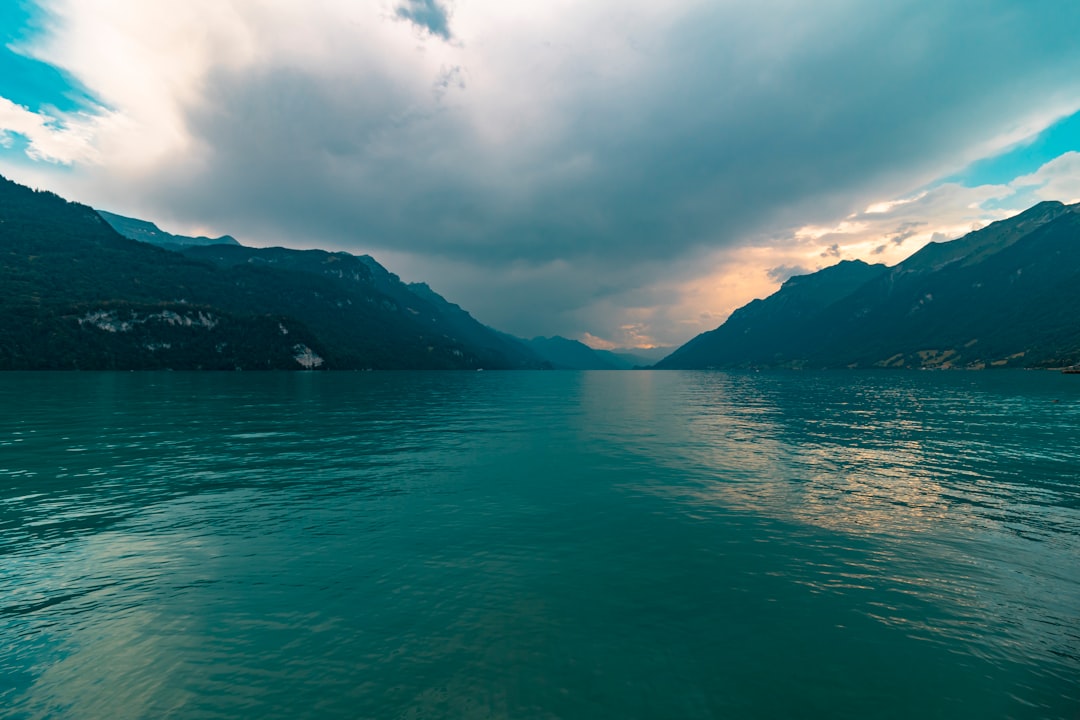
540 544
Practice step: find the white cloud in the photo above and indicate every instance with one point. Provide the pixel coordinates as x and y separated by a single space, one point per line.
63 138
151 62
888 205
1058 179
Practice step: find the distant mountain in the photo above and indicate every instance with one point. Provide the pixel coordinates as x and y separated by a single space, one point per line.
642 356
463 325
565 354
75 294
148 232
1003 296
623 360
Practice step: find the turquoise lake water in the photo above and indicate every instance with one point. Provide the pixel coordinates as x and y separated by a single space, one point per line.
540 545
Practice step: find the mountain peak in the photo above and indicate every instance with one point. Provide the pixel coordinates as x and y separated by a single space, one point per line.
1001 296
844 268
980 244
148 232
1041 207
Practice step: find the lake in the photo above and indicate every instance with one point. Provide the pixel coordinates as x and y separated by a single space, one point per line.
540 545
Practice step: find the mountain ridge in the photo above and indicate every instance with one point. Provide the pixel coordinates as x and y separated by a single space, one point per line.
79 294
76 294
1000 296
148 232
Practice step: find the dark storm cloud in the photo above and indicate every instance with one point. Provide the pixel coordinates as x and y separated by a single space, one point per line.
429 15
728 124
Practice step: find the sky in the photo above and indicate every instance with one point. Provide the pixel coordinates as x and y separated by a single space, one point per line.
621 172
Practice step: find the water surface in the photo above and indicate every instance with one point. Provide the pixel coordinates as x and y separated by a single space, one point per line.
539 545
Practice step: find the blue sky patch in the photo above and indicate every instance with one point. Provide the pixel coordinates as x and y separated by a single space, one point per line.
29 82
1026 158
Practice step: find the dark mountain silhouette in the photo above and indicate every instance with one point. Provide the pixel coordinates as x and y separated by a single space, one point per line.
641 357
1002 296
565 354
367 313
75 294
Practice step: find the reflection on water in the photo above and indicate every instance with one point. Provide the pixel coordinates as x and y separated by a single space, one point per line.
972 484
539 545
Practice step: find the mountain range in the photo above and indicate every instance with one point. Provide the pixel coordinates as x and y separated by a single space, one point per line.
76 294
91 289
566 354
1007 295
86 289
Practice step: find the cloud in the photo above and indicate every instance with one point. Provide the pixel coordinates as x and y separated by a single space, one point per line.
62 138
1058 179
561 168
906 230
892 230
429 15
781 273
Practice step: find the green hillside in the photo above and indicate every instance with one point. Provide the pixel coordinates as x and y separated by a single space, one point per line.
75 294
